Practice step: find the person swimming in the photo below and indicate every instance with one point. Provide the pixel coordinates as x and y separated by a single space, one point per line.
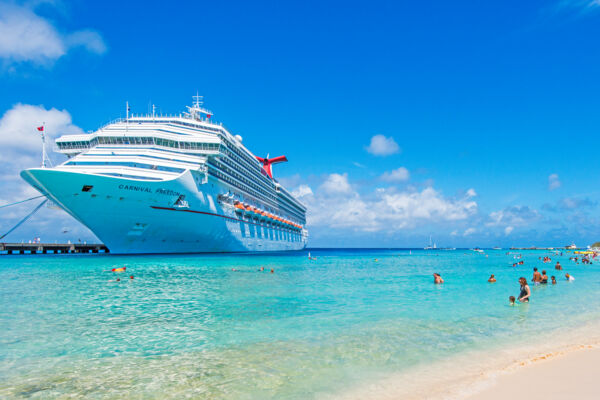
525 291
437 279
553 279
511 300
558 266
492 279
569 277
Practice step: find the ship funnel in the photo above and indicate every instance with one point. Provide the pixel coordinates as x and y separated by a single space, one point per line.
267 162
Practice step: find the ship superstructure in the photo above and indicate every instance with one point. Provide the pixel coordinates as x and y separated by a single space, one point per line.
177 183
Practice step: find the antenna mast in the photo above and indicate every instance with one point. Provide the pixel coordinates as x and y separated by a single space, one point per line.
44 156
197 100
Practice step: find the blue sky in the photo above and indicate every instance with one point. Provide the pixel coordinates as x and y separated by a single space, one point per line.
473 122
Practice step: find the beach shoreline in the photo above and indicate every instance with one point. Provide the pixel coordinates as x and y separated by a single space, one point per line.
500 373
564 374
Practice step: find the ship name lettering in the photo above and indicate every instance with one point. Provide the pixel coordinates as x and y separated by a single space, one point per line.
167 192
135 188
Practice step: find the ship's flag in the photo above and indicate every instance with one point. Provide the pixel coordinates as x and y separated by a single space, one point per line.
40 128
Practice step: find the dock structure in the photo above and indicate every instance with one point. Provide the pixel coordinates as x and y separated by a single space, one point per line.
51 248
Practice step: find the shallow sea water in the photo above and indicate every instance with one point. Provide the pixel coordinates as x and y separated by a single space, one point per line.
191 326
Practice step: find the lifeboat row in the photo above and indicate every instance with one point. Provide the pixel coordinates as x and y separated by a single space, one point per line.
241 207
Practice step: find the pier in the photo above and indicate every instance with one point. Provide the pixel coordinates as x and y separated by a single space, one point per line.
51 248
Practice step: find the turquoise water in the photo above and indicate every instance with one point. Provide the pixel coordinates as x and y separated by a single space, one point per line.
191 326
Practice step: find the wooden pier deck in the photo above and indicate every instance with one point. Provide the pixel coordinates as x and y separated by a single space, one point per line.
51 248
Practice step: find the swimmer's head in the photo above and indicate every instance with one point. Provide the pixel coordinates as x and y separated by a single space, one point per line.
131 277
535 269
544 272
522 281
511 299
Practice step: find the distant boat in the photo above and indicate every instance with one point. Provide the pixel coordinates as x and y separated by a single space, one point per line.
496 248
571 247
432 246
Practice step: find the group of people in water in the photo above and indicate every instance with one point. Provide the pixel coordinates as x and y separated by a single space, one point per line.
538 278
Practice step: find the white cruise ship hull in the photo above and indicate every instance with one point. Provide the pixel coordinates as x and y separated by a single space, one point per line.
138 216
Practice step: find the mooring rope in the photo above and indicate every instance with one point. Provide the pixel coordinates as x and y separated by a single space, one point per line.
25 219
22 201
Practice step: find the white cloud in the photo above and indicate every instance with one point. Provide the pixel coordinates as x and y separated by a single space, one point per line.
427 204
469 231
383 146
581 5
508 230
21 148
301 191
337 204
553 182
336 184
27 37
18 133
471 193
398 175
513 216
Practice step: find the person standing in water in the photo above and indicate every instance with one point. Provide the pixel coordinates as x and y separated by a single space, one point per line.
525 291
537 277
437 278
558 266
492 279
544 277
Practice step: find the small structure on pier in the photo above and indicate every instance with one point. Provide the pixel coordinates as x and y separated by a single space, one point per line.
51 248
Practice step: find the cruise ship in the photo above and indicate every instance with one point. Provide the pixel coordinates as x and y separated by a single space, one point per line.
172 184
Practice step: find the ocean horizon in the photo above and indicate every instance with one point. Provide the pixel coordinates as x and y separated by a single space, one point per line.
366 321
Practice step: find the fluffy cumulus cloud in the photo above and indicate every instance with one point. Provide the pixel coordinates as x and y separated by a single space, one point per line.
302 191
28 37
337 204
553 182
21 146
18 133
336 184
383 146
398 175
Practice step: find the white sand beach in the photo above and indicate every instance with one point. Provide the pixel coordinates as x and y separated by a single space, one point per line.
555 376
